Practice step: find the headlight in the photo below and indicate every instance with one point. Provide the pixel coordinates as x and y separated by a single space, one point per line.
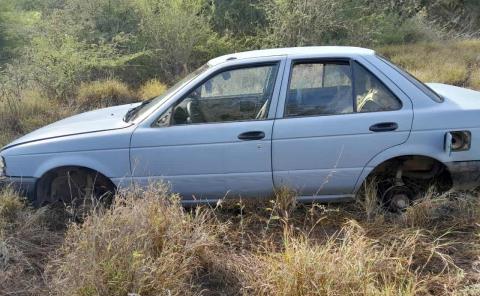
3 167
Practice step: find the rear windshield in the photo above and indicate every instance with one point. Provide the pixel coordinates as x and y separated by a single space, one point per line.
422 86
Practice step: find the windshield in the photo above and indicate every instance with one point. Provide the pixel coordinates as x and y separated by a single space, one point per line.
158 101
422 86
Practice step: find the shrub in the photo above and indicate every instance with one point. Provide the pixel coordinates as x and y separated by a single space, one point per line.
146 244
151 88
104 93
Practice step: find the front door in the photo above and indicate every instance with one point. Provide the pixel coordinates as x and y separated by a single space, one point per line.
216 140
336 116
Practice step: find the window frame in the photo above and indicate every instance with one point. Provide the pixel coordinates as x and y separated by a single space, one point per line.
276 63
327 60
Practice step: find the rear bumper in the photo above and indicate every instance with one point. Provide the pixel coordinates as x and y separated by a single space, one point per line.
465 174
23 185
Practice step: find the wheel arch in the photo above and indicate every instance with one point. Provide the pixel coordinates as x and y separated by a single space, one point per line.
50 175
381 160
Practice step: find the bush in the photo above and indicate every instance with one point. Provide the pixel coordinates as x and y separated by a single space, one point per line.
151 88
104 93
146 244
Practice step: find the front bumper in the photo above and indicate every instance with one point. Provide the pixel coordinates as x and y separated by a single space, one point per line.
23 185
465 174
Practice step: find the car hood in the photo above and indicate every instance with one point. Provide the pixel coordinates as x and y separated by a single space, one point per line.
94 121
463 98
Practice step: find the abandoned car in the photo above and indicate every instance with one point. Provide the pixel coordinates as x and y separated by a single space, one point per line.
320 120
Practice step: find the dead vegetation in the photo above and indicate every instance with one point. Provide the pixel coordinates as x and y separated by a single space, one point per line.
27 238
146 243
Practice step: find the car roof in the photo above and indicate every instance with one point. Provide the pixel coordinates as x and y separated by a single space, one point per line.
294 51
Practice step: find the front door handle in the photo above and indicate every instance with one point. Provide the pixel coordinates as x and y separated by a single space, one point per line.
384 127
254 135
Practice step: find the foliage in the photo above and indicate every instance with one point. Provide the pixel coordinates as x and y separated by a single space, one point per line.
175 34
151 88
104 93
326 22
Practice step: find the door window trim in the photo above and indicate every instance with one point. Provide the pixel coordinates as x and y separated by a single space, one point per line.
215 73
327 60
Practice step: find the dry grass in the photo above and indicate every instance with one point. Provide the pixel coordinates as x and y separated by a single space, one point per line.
152 88
453 62
27 237
23 112
104 93
356 249
347 263
145 244
475 78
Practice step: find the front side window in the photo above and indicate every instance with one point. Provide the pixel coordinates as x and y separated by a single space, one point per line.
232 95
319 89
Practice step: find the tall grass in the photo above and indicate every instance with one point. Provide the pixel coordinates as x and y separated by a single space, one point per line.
27 237
450 62
347 263
145 244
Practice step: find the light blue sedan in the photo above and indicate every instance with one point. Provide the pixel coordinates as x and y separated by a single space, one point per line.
320 120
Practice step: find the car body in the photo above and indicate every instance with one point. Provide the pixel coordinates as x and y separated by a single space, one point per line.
319 120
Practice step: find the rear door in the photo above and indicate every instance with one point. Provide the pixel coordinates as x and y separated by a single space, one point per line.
334 116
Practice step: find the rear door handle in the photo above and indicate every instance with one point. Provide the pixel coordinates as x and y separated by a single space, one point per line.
253 135
384 127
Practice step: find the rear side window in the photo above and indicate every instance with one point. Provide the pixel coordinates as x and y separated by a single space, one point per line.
371 95
319 89
330 88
